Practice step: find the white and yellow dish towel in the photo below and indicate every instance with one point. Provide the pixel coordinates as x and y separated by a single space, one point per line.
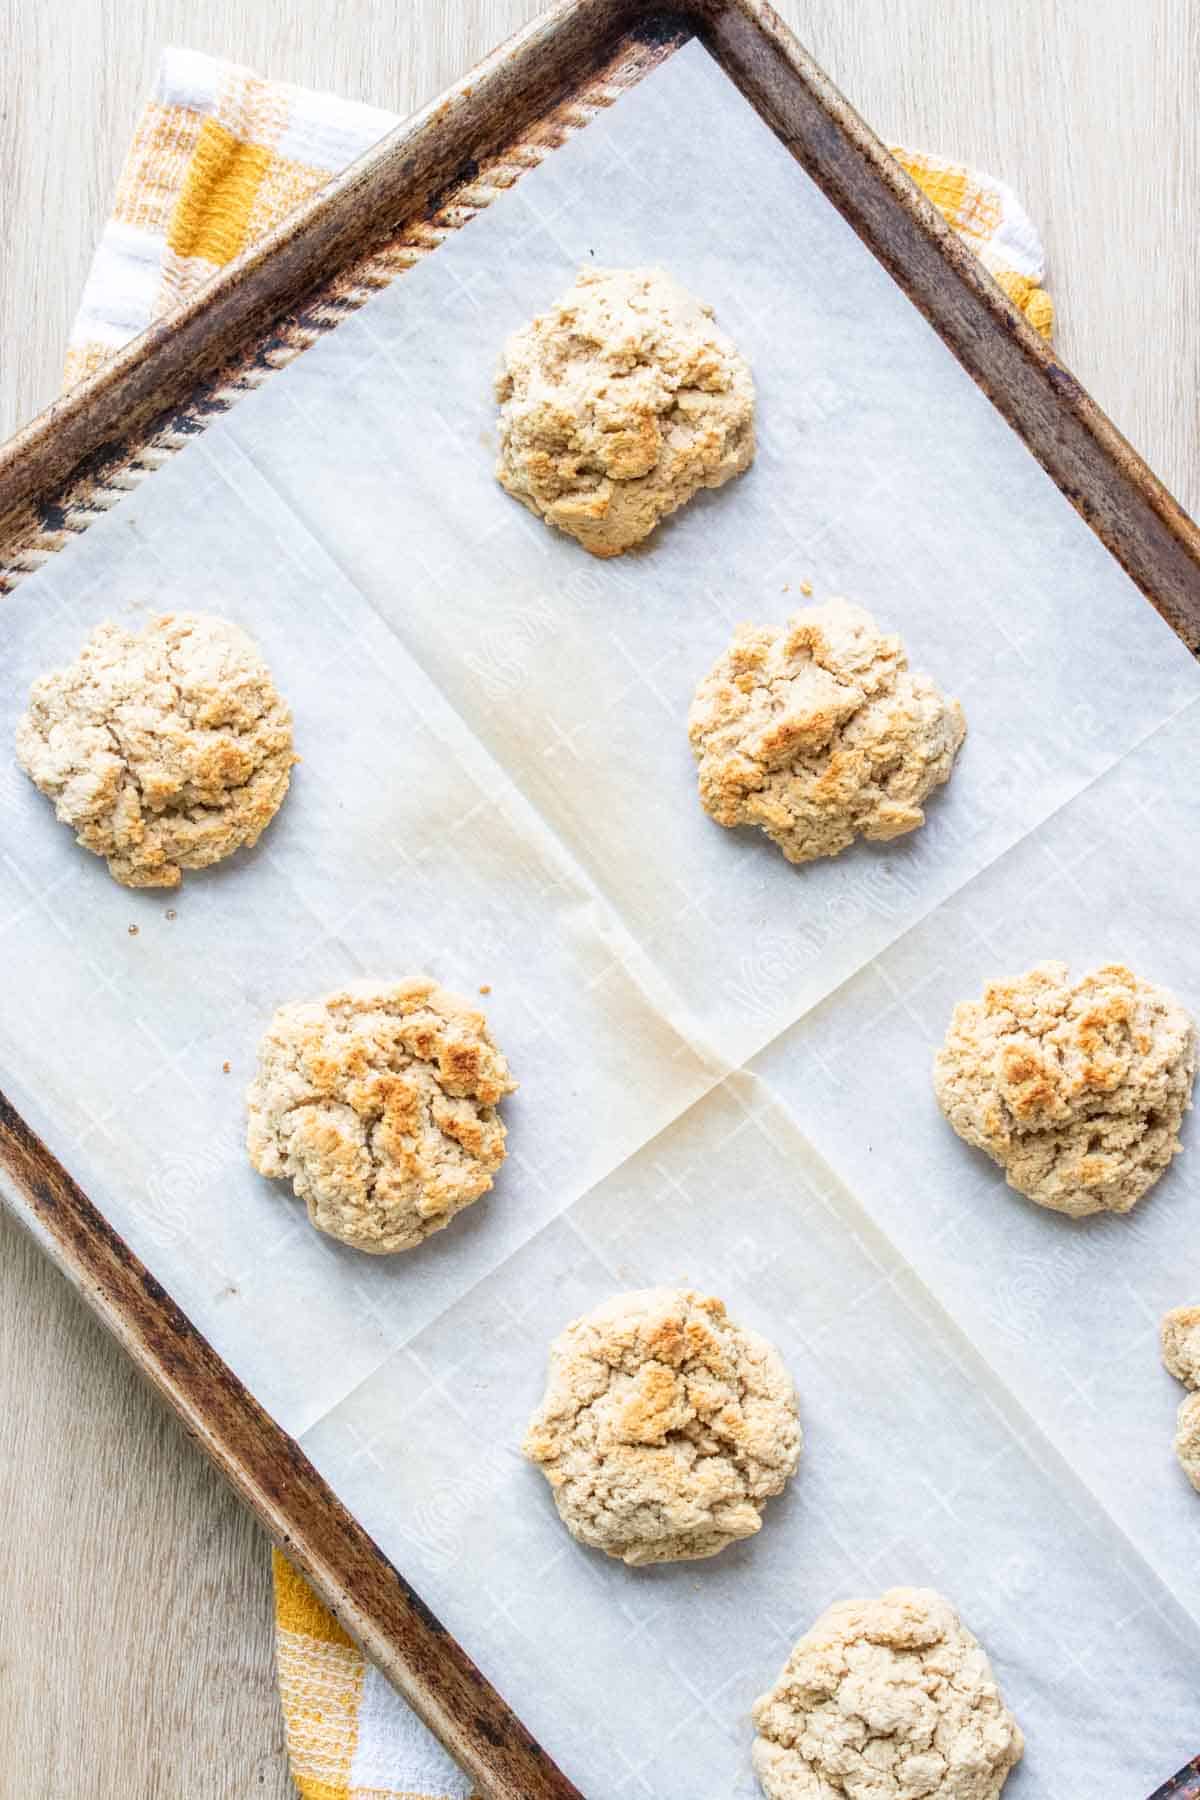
219 157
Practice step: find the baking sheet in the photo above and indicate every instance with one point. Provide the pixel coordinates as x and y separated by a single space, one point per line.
724 1060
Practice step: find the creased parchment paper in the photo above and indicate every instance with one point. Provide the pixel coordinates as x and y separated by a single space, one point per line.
724 1060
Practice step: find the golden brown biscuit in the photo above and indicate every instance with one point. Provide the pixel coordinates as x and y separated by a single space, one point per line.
1179 1335
664 1428
1077 1089
1187 1438
817 732
890 1697
378 1102
618 404
163 749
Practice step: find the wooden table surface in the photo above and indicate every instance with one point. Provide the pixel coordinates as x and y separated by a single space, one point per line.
135 1637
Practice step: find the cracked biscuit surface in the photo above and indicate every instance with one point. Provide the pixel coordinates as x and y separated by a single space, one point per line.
378 1103
886 1699
817 732
664 1427
618 404
1187 1439
1179 1335
163 749
1076 1088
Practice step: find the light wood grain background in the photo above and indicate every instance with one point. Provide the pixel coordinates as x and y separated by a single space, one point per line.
135 1642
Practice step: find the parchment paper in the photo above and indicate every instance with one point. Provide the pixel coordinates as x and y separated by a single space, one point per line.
724 1060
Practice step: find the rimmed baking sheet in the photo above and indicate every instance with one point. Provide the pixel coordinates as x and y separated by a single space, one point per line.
723 1059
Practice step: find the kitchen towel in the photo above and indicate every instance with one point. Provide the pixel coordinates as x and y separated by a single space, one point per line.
218 157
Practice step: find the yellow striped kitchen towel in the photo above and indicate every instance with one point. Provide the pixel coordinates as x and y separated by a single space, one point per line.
987 215
349 1734
218 157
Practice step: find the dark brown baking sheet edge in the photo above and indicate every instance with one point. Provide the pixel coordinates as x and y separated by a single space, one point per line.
393 207
272 1474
